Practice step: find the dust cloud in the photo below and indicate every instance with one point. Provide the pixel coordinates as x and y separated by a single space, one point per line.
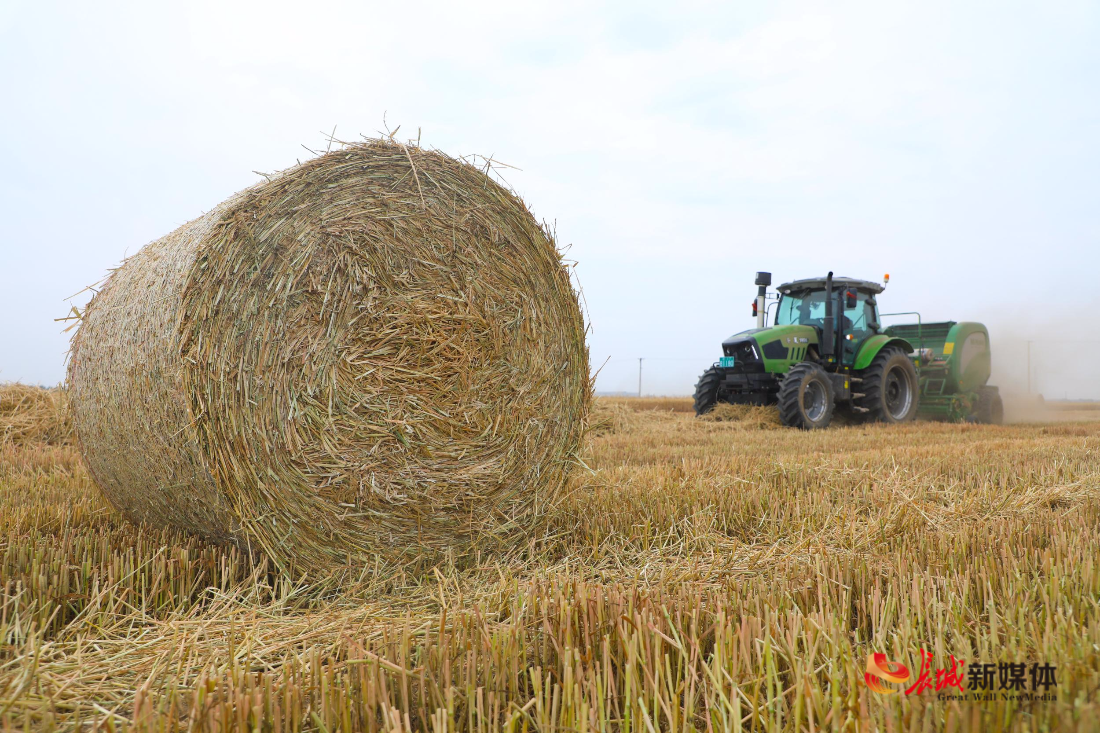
1047 365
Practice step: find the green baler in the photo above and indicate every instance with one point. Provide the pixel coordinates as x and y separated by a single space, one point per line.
953 363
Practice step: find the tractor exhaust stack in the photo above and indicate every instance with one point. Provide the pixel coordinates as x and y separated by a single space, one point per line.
827 343
763 280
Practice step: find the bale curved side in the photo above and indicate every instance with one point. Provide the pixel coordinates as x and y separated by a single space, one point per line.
131 416
379 351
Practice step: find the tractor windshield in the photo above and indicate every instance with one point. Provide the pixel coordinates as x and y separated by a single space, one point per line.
807 308
803 309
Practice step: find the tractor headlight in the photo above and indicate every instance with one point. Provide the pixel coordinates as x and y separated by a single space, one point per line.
741 352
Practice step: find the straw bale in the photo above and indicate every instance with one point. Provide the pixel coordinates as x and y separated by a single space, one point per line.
376 352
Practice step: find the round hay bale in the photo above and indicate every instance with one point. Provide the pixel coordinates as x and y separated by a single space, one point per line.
378 352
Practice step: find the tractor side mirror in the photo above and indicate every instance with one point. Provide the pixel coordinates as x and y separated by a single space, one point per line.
849 300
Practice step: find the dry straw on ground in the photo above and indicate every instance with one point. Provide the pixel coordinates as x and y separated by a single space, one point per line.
376 352
33 415
702 578
748 416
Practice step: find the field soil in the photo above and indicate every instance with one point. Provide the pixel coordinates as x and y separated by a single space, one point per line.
701 575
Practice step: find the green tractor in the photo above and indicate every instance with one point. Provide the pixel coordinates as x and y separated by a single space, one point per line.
827 352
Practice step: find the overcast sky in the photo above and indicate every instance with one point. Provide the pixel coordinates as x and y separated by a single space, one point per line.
679 147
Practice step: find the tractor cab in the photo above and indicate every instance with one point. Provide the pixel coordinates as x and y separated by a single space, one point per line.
805 303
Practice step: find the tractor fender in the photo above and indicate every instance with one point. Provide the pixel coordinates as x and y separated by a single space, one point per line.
870 348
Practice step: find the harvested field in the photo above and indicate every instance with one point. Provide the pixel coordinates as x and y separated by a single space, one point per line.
669 404
703 576
1058 411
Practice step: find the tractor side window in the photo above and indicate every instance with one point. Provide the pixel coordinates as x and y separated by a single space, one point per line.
860 317
857 322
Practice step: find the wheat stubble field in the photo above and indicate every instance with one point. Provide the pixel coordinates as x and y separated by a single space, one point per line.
702 575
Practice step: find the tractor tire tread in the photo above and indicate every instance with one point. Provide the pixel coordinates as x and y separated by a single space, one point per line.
790 409
706 391
870 403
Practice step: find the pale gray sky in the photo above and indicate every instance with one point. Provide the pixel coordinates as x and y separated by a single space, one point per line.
679 147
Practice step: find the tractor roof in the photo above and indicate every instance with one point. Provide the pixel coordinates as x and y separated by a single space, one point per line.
818 283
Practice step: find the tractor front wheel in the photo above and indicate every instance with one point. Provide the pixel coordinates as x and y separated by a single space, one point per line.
806 398
890 389
706 391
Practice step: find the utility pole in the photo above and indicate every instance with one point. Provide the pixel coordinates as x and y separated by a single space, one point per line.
639 376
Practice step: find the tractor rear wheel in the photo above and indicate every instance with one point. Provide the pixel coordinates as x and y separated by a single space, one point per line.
890 388
990 409
806 398
706 391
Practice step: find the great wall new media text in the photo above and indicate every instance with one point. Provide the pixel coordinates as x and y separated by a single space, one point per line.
976 682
